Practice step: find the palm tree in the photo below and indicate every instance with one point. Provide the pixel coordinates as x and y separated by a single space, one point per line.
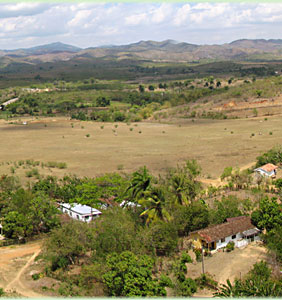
140 182
154 204
179 188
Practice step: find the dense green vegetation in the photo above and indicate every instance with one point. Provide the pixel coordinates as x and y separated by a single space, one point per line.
132 239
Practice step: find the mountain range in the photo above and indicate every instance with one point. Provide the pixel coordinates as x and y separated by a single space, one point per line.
168 50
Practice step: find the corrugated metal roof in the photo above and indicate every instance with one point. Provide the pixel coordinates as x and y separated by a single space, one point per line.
250 232
80 209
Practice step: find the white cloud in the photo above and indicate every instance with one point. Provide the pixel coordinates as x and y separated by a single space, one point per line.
182 15
88 24
135 19
161 13
80 18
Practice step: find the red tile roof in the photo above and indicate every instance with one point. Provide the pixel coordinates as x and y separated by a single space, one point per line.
269 167
220 231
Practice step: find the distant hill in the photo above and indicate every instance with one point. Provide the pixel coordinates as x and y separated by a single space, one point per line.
168 51
40 50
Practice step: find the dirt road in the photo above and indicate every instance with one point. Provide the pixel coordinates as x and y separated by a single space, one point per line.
14 260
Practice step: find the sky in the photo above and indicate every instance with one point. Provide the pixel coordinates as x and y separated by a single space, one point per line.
91 24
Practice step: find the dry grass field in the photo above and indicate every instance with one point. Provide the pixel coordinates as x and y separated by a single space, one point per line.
215 144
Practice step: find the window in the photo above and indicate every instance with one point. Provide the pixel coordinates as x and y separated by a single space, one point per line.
233 236
70 213
222 240
77 217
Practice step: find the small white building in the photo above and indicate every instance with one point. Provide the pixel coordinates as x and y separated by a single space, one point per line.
79 212
268 170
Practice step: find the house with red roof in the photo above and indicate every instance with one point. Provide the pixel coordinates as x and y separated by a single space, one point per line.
268 170
239 230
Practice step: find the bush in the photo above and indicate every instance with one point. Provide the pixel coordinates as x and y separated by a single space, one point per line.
35 276
187 287
206 280
230 246
198 253
130 275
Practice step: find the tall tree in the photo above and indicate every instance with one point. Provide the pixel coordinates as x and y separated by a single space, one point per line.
140 182
154 203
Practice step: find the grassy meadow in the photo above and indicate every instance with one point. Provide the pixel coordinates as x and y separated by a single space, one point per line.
94 148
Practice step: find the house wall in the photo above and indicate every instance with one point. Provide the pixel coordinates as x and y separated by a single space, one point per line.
76 216
239 241
221 244
264 173
196 240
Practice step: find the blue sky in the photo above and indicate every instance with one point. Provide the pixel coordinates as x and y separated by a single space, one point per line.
91 24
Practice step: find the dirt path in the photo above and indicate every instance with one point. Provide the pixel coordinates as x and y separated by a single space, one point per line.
217 182
14 260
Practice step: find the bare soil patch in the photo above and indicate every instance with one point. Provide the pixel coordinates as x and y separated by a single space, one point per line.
224 265
14 261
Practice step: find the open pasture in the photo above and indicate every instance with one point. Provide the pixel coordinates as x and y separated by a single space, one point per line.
90 148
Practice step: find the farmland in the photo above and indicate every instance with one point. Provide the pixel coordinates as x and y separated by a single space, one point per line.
112 147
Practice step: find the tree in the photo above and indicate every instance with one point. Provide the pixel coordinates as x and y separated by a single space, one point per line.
66 244
268 215
154 203
103 101
183 182
162 238
141 88
273 156
218 84
190 218
116 231
130 276
27 214
228 207
273 241
140 182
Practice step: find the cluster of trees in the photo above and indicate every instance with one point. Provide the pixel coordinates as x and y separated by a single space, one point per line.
25 213
157 213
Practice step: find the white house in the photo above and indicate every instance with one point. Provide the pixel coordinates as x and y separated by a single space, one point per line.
79 212
268 170
239 230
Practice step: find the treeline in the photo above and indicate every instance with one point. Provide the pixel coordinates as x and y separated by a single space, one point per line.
121 102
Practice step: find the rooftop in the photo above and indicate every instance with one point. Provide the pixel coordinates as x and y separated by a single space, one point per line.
268 167
231 227
80 209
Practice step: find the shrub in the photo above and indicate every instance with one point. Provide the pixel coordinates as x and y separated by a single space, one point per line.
230 246
35 276
198 253
130 275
